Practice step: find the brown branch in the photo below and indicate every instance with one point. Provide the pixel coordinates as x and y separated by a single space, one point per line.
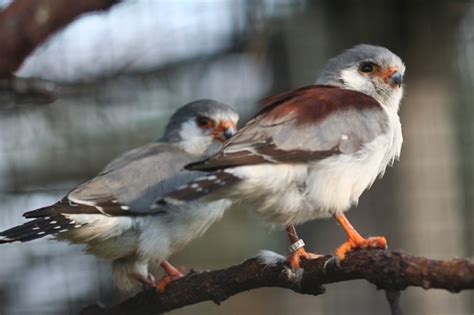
25 24
389 270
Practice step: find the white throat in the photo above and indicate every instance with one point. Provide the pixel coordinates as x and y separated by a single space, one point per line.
393 102
193 139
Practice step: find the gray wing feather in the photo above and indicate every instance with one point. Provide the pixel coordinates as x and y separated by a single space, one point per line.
136 179
345 130
341 132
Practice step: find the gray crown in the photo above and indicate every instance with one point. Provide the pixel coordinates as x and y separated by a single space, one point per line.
330 74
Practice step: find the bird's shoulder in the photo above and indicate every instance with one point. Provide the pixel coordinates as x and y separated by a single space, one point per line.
313 103
149 153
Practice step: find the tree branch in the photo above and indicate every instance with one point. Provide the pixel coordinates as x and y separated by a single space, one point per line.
25 24
389 270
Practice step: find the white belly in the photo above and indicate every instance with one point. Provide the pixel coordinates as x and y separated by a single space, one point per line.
295 193
163 235
152 237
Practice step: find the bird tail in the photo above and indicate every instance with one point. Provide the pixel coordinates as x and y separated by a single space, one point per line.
200 187
38 228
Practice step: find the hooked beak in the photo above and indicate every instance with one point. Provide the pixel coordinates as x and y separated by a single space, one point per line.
396 79
392 76
224 130
228 132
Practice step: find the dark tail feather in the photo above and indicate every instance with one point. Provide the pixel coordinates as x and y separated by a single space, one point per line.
38 228
201 187
63 206
41 212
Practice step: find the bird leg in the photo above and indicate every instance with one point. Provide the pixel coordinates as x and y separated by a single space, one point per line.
296 248
172 273
355 240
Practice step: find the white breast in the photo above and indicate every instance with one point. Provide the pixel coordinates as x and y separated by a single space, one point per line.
336 183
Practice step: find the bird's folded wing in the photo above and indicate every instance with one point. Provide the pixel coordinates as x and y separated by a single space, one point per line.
129 185
311 123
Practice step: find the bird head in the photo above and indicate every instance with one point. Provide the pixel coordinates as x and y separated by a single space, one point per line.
372 70
201 126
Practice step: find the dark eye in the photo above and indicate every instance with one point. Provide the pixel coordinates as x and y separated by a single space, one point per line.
366 67
203 121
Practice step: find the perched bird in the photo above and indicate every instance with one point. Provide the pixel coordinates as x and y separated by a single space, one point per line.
311 152
112 213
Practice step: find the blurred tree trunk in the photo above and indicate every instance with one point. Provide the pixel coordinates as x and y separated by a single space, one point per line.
25 24
465 127
430 189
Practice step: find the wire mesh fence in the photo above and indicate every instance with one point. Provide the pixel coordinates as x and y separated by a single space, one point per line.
120 75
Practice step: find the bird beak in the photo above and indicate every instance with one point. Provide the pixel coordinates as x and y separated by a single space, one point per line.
392 76
396 79
224 130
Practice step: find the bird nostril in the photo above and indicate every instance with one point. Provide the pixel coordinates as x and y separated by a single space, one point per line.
228 132
396 79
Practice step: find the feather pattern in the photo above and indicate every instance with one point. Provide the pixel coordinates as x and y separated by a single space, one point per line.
201 186
311 123
47 225
149 171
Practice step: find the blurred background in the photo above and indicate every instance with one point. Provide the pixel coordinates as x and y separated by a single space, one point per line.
120 74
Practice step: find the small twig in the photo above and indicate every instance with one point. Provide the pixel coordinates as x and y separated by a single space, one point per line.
389 270
393 298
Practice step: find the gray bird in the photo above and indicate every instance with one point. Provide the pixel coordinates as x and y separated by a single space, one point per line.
112 214
311 152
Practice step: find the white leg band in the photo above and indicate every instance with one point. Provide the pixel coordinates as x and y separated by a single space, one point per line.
296 245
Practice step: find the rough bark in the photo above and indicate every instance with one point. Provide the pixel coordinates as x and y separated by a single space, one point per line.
25 24
389 270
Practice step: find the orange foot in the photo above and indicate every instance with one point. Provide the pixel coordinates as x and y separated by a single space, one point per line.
294 260
172 273
163 282
359 242
355 240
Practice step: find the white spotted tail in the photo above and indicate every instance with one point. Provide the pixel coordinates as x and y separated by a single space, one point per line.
38 228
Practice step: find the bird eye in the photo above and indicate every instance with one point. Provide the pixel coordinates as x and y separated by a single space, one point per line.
366 67
203 122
